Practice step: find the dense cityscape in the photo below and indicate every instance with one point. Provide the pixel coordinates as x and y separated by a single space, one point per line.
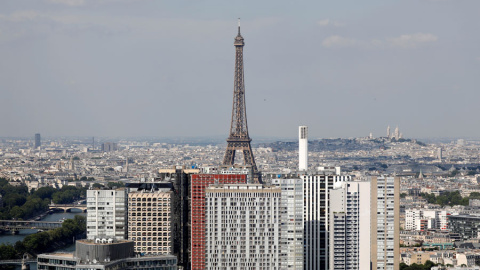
437 196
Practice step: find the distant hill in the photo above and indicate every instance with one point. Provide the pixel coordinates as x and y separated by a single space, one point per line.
345 145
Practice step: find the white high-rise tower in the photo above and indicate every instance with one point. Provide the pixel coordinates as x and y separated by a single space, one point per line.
302 148
385 222
349 231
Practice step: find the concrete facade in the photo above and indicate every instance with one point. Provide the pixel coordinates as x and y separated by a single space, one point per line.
385 223
302 148
349 232
150 221
199 182
101 255
291 239
316 190
107 214
242 227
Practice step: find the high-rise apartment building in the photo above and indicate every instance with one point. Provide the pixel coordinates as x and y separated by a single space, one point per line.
109 147
466 225
316 190
179 176
349 232
107 214
150 221
242 227
291 210
38 142
198 184
302 148
385 223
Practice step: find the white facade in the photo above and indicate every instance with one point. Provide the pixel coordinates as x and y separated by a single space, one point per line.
349 233
420 219
302 148
291 256
242 227
107 214
316 189
385 225
412 219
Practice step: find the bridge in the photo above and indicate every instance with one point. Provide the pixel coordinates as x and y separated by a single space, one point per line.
15 225
18 262
68 207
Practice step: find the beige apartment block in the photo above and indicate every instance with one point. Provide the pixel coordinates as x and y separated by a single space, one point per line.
150 221
385 223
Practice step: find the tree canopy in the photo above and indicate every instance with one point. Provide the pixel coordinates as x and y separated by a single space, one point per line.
19 204
48 241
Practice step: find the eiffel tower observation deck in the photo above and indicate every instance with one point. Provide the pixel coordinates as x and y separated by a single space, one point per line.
238 138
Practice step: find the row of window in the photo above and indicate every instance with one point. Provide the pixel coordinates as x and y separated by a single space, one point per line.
133 199
148 204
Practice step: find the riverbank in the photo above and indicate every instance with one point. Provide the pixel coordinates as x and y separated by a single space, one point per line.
8 238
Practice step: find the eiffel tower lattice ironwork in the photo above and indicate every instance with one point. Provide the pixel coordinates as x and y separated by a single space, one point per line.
238 138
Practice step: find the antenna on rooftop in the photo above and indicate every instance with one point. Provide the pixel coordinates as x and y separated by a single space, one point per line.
239 26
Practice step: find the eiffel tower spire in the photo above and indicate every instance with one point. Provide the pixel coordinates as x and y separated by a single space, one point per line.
239 138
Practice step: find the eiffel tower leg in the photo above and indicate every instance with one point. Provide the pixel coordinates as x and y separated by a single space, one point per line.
229 158
248 157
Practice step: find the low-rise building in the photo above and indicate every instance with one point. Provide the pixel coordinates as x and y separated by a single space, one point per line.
104 254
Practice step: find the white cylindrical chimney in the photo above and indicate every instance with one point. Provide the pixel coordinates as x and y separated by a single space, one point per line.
302 148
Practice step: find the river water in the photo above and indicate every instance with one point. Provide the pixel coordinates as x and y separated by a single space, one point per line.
12 239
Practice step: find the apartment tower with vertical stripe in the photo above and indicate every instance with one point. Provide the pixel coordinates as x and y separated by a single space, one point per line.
349 235
316 189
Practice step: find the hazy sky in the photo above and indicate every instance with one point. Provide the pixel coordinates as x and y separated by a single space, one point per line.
165 68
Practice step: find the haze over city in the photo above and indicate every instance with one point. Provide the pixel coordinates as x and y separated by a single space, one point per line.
165 68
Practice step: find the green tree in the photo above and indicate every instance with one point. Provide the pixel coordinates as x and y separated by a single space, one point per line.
17 212
98 185
115 184
7 252
14 199
44 192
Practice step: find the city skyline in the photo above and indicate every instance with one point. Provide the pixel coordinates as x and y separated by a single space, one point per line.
142 68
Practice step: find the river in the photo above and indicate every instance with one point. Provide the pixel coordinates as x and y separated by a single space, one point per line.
12 239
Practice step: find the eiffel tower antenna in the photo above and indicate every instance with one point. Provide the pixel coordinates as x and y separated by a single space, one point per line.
238 138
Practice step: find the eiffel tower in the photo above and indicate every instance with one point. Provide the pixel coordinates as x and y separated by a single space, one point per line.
238 138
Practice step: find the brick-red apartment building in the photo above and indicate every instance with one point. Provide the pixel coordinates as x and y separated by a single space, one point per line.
198 184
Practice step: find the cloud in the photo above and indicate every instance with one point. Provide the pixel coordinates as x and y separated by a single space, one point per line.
76 3
411 41
327 22
72 3
338 41
407 41
21 16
